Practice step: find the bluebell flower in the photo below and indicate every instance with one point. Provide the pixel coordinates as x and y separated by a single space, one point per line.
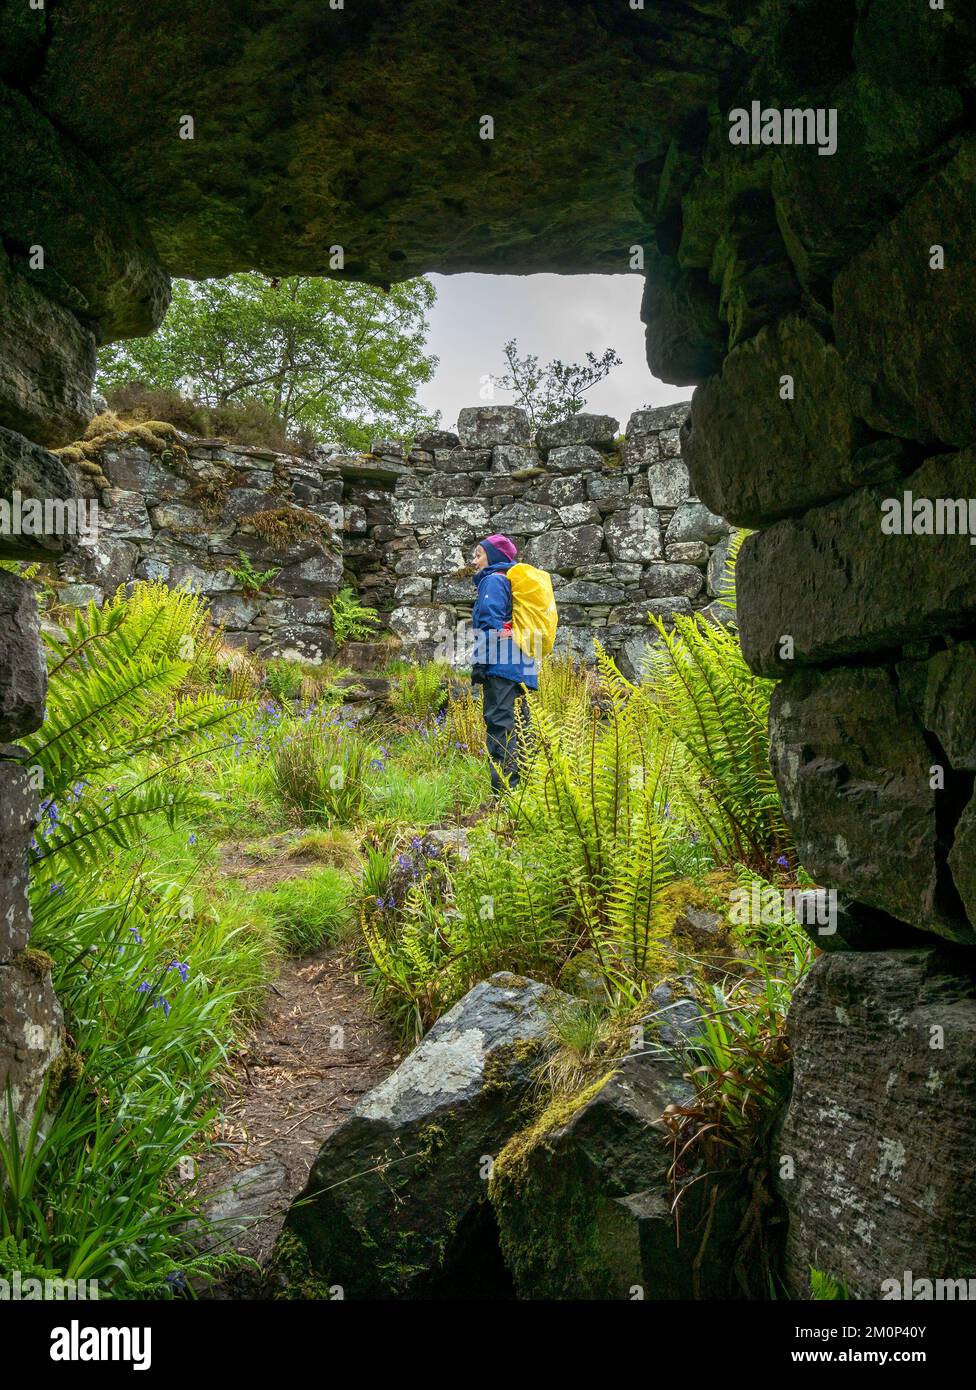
176 1280
144 988
160 1003
136 936
404 861
192 840
379 902
56 888
183 967
783 862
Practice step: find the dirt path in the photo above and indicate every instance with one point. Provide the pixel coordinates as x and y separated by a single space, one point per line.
316 1050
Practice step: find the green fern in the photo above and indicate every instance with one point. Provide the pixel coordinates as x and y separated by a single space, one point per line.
352 619
115 698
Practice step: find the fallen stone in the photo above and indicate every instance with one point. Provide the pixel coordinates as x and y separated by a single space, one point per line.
583 1201
396 1198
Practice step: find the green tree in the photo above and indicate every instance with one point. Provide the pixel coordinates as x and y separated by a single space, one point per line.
559 389
334 359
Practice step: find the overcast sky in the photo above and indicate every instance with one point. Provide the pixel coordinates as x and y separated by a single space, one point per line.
562 316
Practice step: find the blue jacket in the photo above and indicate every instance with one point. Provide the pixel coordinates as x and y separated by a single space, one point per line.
495 652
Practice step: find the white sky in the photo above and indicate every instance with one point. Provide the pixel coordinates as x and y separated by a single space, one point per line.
562 316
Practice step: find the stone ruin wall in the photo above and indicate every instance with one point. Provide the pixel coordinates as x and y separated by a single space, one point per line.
614 521
760 263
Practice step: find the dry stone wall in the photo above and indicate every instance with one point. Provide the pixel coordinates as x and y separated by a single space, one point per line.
612 519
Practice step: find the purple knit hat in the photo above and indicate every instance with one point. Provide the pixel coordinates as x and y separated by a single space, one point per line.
499 549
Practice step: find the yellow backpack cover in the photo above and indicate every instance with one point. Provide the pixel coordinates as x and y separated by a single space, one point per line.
534 616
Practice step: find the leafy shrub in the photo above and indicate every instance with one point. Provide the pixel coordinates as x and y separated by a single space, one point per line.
352 619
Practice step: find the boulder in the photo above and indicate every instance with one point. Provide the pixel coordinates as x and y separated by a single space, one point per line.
388 448
580 514
558 491
437 439
584 1204
580 429
853 769
716 575
47 364
416 588
23 671
634 533
639 453
514 458
942 692
590 594
874 1158
443 557
31 1026
396 1203
654 419
607 490
32 472
687 553
522 519
462 460
754 456
321 573
482 427
124 517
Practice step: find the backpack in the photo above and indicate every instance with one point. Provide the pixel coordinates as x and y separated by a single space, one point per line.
534 616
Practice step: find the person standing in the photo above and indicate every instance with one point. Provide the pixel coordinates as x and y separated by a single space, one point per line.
499 665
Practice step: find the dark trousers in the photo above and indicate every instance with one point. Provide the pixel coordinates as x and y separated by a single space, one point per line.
503 699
